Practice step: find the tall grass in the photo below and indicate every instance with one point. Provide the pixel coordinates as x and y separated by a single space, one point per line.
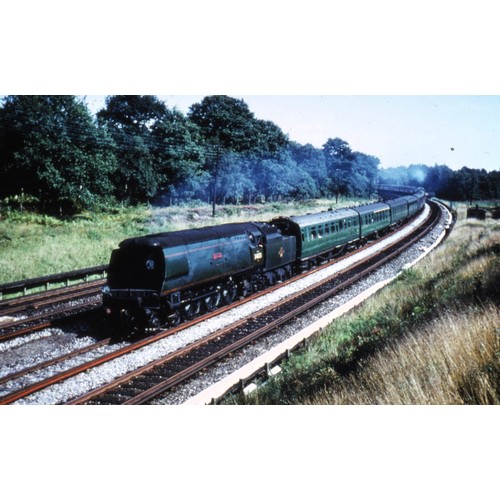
452 360
453 291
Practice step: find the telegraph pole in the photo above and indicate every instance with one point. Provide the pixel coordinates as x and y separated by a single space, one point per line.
215 176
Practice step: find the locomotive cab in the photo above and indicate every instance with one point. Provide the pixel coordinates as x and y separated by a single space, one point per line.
279 249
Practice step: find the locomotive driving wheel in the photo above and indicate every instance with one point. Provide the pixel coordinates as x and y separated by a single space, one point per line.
228 293
191 309
174 319
212 301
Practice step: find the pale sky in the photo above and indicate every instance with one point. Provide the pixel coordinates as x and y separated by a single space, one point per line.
399 130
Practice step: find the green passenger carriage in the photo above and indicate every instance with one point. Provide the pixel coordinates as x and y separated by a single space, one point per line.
373 218
317 234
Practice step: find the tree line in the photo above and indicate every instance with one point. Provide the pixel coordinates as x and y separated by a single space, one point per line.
466 184
55 156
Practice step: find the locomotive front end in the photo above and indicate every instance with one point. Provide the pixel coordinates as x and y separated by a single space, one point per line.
135 277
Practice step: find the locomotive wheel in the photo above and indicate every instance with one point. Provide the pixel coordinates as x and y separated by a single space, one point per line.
271 278
192 309
152 320
228 294
246 288
211 302
174 319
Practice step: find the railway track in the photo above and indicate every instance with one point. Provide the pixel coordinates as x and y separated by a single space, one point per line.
146 382
44 309
150 381
50 297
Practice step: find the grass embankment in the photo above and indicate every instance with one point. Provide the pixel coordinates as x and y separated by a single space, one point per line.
431 337
34 245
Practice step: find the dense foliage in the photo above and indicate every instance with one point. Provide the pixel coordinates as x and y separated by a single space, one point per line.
466 184
52 153
57 157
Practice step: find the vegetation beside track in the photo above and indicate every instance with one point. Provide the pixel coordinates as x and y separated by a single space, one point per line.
33 245
431 337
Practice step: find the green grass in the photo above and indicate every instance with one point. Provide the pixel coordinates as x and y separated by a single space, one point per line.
33 245
454 289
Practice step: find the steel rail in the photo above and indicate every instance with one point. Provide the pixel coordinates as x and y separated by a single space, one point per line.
141 343
36 300
48 319
54 361
189 371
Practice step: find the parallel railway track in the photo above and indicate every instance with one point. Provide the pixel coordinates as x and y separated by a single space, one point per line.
50 297
42 310
147 382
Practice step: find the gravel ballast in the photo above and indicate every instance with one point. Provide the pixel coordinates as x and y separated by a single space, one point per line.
95 377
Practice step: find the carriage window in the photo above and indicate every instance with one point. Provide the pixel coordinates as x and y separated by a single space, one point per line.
320 232
313 233
327 229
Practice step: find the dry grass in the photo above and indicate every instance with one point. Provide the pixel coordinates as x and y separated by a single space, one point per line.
435 329
452 360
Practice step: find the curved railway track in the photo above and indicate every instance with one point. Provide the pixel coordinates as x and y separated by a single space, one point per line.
147 382
152 380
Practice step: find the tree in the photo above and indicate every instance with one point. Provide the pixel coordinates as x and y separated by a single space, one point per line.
397 176
339 158
439 181
51 149
364 174
131 121
179 154
312 162
133 113
235 180
225 122
228 125
270 139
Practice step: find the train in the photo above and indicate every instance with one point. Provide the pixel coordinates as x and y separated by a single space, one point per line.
161 279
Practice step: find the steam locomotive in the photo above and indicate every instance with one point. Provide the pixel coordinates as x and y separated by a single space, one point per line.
161 279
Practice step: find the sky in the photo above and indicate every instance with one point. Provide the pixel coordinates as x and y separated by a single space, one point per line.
399 130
